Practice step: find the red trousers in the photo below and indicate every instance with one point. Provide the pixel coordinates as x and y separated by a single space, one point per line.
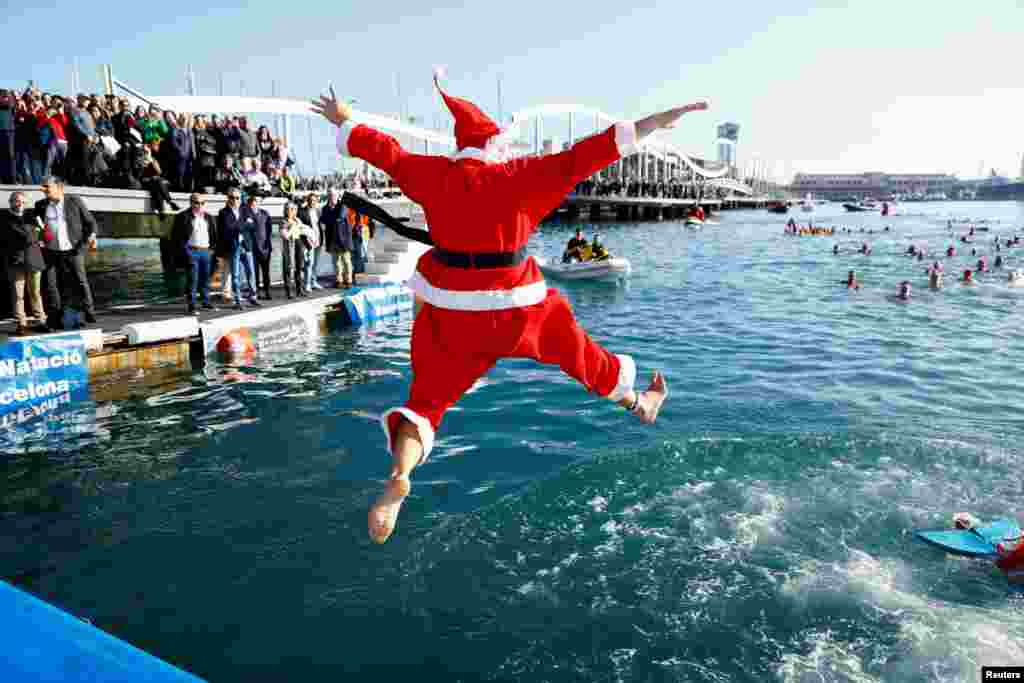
451 350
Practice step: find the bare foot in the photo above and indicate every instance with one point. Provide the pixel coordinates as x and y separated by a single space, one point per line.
651 400
384 511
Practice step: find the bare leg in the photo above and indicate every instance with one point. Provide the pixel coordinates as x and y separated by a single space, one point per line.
648 402
406 454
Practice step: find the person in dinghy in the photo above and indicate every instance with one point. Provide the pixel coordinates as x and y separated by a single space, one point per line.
574 249
480 297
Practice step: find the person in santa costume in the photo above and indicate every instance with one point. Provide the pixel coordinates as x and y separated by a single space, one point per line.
480 297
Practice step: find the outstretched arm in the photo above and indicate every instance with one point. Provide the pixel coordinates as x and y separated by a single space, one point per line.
417 175
665 119
549 179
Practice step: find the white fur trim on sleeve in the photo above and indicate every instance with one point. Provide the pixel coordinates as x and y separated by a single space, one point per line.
627 378
423 428
344 130
625 138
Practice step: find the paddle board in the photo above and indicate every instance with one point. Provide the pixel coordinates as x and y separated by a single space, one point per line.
978 542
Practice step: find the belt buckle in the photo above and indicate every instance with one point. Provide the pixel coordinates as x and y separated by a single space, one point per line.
472 260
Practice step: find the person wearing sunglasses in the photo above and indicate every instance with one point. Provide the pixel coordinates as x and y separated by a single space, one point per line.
194 240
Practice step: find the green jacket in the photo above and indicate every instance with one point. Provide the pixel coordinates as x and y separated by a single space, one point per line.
153 130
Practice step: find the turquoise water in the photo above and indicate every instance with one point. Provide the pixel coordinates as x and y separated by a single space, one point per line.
759 531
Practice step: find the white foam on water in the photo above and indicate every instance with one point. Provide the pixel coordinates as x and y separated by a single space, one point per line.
828 660
953 640
759 522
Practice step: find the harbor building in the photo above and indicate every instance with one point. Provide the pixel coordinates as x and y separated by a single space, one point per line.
860 185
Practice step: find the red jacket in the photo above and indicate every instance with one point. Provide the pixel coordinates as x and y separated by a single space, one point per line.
473 206
58 123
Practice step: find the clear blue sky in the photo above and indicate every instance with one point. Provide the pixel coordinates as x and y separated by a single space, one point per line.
898 86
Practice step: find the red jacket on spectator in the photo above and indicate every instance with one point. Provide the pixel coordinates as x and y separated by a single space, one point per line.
57 123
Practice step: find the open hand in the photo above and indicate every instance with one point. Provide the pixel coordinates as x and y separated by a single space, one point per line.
666 119
331 109
670 117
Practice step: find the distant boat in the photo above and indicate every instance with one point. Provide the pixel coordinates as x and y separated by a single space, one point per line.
778 207
863 205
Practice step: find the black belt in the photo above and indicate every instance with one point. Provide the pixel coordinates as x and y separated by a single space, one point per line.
462 259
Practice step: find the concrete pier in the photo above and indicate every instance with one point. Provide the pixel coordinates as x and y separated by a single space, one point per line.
577 206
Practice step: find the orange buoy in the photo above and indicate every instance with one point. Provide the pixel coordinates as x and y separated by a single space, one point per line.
236 342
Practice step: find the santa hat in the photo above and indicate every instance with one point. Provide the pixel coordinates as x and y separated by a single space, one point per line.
473 128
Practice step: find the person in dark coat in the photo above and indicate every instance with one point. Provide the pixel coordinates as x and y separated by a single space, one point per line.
69 229
130 162
248 146
262 245
229 234
177 151
226 178
205 154
8 111
245 258
339 238
81 133
23 263
194 242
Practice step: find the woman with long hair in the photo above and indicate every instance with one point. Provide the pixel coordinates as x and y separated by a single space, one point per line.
265 143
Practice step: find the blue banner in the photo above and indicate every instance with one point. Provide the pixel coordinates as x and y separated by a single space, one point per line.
374 303
40 375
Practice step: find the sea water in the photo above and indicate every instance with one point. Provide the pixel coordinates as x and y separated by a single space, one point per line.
761 530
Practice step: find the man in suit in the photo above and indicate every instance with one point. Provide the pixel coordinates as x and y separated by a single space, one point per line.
70 227
229 233
262 245
194 240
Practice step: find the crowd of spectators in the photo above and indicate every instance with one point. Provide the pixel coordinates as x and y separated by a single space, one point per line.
632 187
101 141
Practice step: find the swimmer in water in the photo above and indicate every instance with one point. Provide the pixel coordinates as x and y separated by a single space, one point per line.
1015 277
835 250
934 279
982 265
851 281
904 293
920 255
968 278
865 249
950 251
999 261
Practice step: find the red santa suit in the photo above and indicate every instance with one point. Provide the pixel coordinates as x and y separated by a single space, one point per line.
484 300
